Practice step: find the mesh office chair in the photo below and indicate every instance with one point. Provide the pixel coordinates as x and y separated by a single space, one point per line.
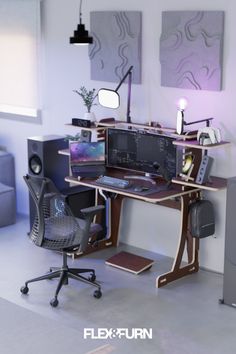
55 228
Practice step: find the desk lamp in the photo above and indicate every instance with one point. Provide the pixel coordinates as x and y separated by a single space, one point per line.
81 36
111 99
182 104
180 122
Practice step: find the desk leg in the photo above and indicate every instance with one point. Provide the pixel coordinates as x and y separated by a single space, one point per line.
116 205
192 247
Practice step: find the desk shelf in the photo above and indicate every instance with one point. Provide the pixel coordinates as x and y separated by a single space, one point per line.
122 124
91 129
216 184
195 144
116 123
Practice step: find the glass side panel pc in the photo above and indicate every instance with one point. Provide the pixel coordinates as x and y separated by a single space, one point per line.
143 152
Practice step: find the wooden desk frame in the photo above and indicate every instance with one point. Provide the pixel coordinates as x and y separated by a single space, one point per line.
185 191
167 199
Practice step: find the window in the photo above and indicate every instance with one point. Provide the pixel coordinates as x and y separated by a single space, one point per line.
19 59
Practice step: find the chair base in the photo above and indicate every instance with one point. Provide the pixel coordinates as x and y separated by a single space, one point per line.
64 273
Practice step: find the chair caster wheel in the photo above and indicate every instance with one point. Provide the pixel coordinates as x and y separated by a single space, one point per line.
24 289
92 277
221 301
97 294
54 302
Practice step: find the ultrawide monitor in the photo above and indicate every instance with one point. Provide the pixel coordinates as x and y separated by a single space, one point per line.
143 152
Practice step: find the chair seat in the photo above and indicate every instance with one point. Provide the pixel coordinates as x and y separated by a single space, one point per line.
62 232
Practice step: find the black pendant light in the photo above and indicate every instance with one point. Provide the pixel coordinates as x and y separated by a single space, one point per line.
81 36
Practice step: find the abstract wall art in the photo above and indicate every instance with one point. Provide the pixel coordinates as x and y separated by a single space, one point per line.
116 45
191 49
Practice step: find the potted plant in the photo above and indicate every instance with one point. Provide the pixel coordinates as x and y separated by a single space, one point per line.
88 97
71 138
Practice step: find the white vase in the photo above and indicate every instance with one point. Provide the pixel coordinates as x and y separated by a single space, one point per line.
90 116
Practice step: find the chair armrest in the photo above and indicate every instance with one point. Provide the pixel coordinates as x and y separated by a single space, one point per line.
91 211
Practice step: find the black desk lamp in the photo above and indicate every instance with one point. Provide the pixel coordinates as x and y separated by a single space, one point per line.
81 36
111 99
180 122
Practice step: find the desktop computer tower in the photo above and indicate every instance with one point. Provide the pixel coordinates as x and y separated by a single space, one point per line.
229 289
44 161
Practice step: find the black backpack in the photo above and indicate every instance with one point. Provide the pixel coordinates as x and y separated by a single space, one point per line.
202 219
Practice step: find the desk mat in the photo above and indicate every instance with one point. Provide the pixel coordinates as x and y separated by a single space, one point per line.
150 190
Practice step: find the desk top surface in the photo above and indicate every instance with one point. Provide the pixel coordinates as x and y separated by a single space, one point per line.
155 197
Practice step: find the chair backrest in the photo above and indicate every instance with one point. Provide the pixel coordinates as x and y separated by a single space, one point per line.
50 206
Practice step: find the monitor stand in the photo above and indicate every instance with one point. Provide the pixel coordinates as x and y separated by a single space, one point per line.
147 178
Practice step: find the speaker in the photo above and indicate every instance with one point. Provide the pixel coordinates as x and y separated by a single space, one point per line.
204 170
229 288
44 161
85 136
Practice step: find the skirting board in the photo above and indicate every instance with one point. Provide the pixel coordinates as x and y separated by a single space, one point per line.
130 262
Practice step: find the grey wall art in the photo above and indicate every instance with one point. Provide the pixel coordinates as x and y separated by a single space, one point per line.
191 49
116 45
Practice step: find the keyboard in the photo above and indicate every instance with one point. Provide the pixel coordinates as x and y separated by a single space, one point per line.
113 182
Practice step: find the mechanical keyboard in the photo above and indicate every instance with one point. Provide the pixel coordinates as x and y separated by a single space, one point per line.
113 182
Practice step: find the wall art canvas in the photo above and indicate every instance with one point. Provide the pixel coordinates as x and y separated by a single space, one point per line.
191 49
116 45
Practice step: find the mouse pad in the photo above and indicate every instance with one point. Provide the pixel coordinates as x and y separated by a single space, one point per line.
151 190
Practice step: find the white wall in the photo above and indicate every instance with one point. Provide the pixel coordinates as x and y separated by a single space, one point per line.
66 67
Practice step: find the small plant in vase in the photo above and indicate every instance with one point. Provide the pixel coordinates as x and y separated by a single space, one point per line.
71 138
88 97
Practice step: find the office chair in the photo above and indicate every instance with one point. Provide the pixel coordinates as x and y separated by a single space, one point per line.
55 228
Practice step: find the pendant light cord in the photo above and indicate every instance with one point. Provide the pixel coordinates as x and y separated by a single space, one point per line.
80 12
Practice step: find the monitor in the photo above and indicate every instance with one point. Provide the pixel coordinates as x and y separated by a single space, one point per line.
143 152
87 153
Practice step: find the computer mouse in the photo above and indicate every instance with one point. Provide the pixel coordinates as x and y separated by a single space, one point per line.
140 189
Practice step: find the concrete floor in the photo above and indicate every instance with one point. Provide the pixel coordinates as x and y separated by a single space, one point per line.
185 316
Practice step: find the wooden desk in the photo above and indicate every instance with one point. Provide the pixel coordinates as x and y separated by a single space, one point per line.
177 197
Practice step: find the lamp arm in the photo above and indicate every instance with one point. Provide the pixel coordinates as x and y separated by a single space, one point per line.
207 120
128 118
129 74
123 79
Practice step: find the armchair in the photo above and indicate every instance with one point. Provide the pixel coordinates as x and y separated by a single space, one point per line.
55 228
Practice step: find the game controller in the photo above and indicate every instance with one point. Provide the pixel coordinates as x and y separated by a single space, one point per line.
208 136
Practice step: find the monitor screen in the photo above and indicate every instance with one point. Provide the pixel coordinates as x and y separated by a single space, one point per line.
87 153
140 151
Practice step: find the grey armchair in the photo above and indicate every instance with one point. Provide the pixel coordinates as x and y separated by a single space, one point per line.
55 228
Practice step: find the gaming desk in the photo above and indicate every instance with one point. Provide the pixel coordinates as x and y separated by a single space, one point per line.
177 197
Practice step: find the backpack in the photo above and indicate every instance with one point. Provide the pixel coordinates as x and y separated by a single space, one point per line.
202 218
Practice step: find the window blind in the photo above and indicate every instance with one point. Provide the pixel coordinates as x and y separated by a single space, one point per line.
19 57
